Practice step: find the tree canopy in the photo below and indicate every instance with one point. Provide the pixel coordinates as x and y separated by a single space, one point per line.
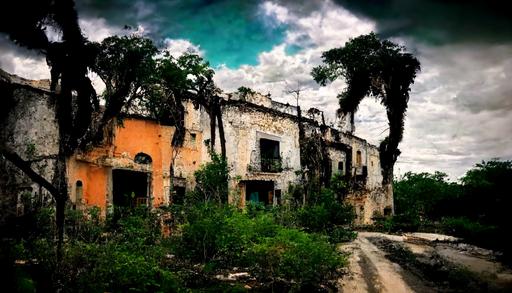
376 68
134 72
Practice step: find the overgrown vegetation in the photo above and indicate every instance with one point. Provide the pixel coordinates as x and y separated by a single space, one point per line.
285 248
244 92
475 209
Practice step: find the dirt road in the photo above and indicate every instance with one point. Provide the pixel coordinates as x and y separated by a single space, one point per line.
421 262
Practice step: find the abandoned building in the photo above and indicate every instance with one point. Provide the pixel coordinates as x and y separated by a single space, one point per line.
262 150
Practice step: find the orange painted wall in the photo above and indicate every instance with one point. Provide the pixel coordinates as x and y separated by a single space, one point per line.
150 138
94 168
95 182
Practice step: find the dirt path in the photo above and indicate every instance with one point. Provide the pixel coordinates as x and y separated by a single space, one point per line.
371 271
420 263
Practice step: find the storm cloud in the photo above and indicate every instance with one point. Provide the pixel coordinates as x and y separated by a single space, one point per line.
230 32
438 22
460 108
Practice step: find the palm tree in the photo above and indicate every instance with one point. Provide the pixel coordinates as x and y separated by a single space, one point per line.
373 68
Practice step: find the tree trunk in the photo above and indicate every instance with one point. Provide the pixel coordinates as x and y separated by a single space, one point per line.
389 147
212 128
59 221
60 182
221 131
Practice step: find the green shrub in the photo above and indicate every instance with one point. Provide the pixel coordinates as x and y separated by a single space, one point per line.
223 237
119 268
126 251
212 180
297 256
117 255
339 234
471 231
314 218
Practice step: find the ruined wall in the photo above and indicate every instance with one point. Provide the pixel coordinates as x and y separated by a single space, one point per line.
245 125
29 127
246 122
338 159
134 136
372 199
194 151
249 120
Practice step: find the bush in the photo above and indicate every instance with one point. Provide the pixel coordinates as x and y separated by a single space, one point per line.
326 214
398 223
339 234
99 256
115 267
223 237
294 255
471 231
212 180
127 252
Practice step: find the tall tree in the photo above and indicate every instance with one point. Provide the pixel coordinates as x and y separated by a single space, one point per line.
376 68
188 77
119 61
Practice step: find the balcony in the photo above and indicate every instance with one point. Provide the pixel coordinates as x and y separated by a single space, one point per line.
272 165
267 164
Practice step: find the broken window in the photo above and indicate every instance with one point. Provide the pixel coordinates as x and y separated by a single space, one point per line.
359 160
278 196
142 158
79 192
192 139
178 196
270 156
387 211
340 167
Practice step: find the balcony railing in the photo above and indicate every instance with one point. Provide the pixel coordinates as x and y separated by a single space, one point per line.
271 165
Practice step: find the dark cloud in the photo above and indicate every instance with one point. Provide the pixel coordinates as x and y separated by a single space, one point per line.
19 60
229 32
437 21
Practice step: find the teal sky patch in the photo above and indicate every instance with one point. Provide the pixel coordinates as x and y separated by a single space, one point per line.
229 32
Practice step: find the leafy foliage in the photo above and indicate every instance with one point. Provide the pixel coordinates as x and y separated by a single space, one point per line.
223 237
115 255
475 209
244 92
294 255
211 180
372 67
425 195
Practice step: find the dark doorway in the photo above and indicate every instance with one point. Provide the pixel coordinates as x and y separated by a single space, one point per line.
179 195
130 188
259 191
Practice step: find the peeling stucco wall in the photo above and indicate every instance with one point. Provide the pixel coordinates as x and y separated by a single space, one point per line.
30 129
246 121
244 128
251 119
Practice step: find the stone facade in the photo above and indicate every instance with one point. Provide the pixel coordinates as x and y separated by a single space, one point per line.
262 147
34 140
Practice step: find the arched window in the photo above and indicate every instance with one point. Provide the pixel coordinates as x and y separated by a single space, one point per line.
79 188
142 158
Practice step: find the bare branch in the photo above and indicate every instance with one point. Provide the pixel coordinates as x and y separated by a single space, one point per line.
25 166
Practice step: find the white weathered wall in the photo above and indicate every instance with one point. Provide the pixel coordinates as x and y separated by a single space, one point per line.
30 129
244 128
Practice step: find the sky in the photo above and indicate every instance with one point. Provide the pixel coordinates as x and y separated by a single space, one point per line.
460 107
